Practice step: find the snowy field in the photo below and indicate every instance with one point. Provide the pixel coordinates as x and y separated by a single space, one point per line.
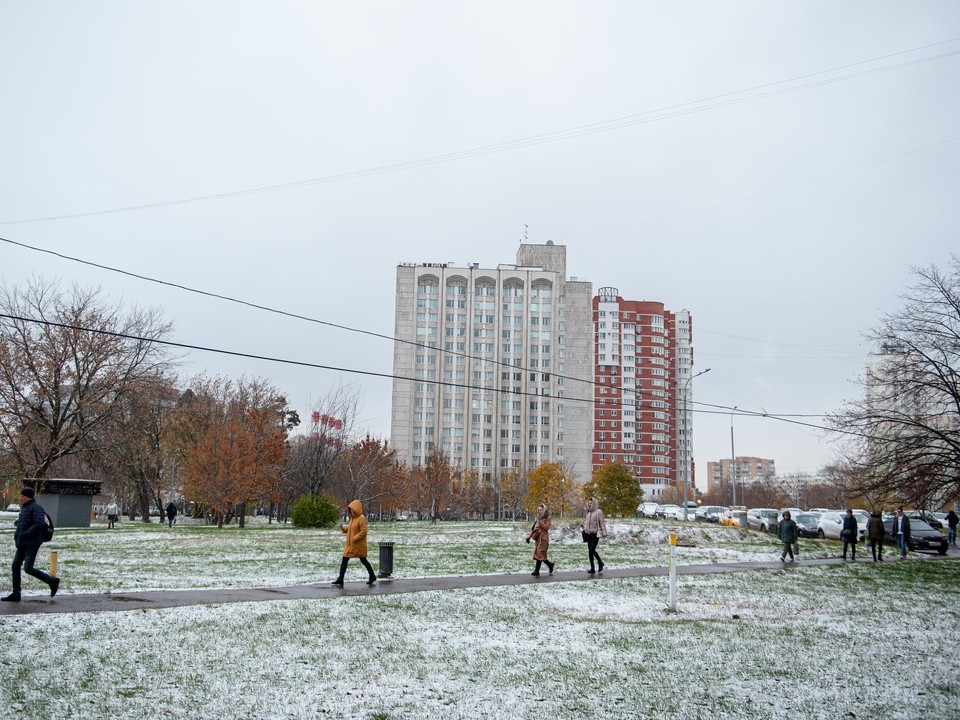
843 641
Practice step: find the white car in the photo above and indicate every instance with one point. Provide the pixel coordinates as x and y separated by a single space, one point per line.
668 511
677 513
648 509
831 523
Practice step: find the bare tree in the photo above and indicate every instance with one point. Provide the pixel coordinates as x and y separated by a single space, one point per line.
903 433
69 361
311 461
514 486
366 472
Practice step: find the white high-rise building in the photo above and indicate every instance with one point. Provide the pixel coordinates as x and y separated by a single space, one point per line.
494 366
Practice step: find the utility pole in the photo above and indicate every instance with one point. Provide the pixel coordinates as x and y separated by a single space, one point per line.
686 440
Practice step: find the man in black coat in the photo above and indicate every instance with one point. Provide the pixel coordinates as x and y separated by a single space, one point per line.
26 537
901 531
849 534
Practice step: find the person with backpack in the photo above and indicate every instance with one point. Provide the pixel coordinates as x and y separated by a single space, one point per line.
27 537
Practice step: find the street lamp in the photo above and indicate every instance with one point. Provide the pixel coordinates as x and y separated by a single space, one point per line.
686 440
733 459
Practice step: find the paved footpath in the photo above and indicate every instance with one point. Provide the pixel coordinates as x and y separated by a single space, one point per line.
114 602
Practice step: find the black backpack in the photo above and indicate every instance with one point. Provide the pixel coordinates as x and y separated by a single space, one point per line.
46 530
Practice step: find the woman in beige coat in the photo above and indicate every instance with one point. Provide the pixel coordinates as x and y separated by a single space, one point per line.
356 543
594 528
540 533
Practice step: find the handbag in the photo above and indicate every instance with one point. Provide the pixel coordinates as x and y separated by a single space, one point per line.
796 549
583 535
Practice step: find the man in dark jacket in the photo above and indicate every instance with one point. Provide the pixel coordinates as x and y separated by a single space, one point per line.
787 531
901 531
952 522
26 537
171 512
848 534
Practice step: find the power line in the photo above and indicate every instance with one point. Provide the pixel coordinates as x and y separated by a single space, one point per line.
669 112
755 196
513 368
604 402
285 313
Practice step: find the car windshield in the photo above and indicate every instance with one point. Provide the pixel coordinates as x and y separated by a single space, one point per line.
919 525
768 513
807 519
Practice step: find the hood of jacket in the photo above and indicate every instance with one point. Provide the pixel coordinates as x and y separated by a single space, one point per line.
357 508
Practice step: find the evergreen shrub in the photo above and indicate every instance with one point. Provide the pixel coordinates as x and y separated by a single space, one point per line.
317 511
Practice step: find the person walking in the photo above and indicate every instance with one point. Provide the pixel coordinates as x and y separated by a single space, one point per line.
848 533
540 533
356 543
113 514
171 513
788 532
594 528
26 539
875 535
901 531
952 522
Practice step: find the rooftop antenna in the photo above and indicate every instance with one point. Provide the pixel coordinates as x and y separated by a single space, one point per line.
526 232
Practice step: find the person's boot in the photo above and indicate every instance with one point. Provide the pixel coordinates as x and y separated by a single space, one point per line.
591 571
550 567
54 586
600 567
371 580
12 597
338 582
536 569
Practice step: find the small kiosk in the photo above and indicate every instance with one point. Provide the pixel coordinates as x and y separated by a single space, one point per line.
68 501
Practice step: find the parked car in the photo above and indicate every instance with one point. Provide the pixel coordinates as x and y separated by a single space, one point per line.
676 513
924 516
667 510
648 509
762 519
923 538
806 524
863 517
13 507
831 523
711 513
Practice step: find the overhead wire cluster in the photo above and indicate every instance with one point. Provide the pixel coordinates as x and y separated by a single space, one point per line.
708 408
793 84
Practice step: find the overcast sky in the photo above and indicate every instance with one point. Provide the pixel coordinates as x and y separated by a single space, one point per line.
775 168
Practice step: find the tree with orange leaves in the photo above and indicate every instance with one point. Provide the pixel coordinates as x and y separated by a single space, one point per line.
231 439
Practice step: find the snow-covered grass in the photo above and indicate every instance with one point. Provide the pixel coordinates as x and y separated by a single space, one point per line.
134 556
866 640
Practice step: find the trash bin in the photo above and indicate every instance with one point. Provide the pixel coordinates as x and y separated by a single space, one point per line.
386 559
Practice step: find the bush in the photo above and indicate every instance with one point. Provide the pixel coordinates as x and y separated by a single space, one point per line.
317 511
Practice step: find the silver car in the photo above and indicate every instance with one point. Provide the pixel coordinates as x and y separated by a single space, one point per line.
762 519
831 523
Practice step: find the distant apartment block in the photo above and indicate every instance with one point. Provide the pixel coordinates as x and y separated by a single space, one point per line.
746 470
643 357
493 366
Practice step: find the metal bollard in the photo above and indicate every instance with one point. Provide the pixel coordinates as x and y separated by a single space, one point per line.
672 604
386 559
